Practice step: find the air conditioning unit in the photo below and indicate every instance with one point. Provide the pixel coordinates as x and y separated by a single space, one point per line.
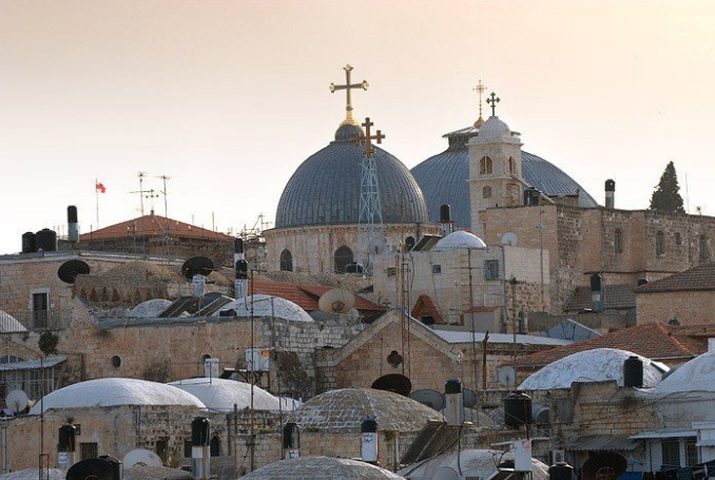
556 456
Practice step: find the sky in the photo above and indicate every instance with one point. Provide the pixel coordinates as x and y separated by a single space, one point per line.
228 98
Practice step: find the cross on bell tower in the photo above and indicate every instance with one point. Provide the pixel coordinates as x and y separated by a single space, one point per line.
347 87
492 101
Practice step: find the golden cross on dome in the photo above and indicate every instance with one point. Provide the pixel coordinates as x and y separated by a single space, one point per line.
367 139
347 87
480 88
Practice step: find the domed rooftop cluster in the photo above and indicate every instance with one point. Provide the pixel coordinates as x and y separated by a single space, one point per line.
266 306
325 189
460 239
443 177
112 392
220 395
596 365
320 468
344 409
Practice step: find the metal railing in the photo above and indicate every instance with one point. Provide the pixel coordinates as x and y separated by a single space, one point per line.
34 320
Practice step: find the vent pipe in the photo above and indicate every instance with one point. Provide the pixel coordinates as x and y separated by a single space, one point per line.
72 228
368 441
200 454
610 193
454 402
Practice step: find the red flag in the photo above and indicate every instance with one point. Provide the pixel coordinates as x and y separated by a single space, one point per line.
100 186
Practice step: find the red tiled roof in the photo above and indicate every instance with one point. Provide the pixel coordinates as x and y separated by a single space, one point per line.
425 306
701 277
656 341
307 296
154 226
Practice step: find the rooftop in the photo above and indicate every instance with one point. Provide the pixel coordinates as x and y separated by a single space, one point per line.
319 468
614 297
701 277
154 226
656 341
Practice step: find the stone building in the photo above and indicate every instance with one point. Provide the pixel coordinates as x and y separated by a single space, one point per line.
504 281
686 298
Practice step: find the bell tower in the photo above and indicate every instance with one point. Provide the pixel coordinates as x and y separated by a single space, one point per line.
495 175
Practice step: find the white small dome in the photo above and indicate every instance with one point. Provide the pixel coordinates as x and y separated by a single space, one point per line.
698 375
111 392
150 309
494 127
460 239
220 395
267 306
597 365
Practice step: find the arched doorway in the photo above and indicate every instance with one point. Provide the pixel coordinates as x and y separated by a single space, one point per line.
215 447
393 382
343 257
286 261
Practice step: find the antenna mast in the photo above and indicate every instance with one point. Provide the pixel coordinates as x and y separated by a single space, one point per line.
164 178
141 191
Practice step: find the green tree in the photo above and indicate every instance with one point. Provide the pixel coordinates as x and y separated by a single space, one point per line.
666 197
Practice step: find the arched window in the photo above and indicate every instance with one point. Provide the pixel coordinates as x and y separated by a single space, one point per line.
485 165
286 261
343 257
510 165
618 241
659 243
215 447
704 250
487 192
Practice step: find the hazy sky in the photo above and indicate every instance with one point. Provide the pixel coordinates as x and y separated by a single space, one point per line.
229 97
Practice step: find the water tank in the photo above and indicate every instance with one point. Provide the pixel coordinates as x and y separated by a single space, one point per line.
200 429
517 409
102 468
633 372
560 471
46 240
72 227
28 242
445 213
241 269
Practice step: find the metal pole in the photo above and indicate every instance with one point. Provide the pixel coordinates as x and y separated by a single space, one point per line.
253 379
474 327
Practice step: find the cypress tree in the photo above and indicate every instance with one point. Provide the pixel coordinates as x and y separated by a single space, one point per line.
666 197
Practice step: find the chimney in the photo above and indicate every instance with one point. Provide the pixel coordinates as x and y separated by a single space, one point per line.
369 441
200 453
72 230
454 402
596 293
610 193
241 268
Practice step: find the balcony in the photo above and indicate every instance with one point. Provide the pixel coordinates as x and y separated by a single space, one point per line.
37 320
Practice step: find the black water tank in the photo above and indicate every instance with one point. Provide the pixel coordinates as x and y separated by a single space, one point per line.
241 269
445 215
46 240
633 372
238 245
560 471
200 429
28 242
610 185
517 409
102 468
409 243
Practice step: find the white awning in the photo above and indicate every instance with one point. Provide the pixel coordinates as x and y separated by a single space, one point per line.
664 434
32 364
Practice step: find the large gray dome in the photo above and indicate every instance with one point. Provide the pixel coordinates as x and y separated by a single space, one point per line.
443 179
325 189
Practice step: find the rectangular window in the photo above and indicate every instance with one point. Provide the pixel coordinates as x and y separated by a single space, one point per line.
391 271
671 453
678 239
691 453
491 270
40 304
88 450
436 269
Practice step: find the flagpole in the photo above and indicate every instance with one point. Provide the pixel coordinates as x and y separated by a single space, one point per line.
96 196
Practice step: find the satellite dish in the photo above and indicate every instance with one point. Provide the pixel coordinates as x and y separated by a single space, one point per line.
393 382
17 401
429 397
337 300
141 456
469 398
69 270
509 238
376 246
197 266
505 375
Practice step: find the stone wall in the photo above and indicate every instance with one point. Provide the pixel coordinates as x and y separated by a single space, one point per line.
687 307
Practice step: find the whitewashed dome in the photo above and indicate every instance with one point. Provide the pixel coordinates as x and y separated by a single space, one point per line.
220 395
320 468
596 365
460 239
494 127
698 375
112 392
9 324
267 306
